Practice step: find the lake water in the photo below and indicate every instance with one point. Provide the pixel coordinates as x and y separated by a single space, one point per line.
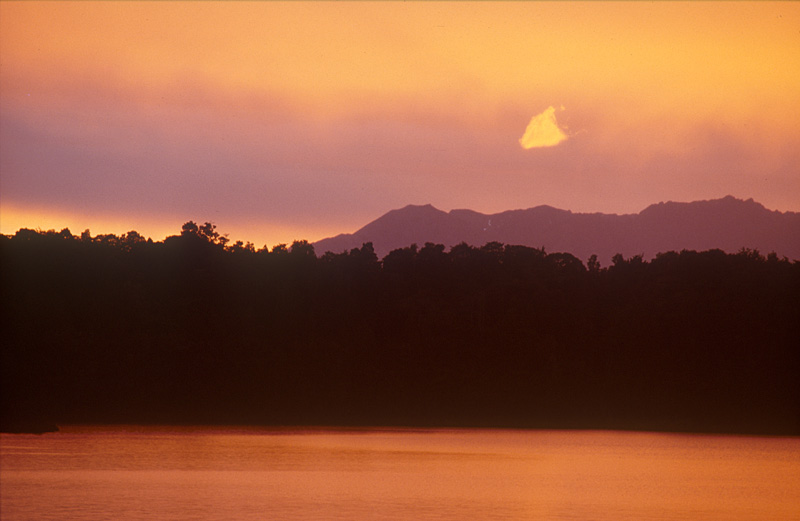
133 473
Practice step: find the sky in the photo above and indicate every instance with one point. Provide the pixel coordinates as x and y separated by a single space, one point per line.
301 120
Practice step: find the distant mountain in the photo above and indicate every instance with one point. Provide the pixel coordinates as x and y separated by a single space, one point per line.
729 224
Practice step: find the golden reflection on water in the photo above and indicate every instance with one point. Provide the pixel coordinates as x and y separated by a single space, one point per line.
133 473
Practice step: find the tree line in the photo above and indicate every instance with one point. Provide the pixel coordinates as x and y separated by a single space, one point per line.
195 329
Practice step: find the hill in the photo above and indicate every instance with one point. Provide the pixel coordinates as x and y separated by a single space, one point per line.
728 224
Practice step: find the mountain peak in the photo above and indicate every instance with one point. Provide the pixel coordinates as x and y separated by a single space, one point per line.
411 212
728 203
428 206
418 210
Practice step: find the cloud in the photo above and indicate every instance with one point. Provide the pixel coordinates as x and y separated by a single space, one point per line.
543 131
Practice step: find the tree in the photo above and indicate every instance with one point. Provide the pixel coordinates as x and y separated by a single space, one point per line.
593 265
566 262
209 231
302 249
190 228
240 247
131 239
494 249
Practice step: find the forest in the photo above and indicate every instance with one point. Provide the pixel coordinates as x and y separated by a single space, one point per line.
197 330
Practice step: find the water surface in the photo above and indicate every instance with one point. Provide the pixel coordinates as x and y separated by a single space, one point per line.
168 473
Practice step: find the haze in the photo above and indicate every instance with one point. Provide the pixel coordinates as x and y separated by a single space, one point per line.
299 120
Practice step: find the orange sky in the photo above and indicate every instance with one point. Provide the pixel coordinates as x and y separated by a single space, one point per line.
280 121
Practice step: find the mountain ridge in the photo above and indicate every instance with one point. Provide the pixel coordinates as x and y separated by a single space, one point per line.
728 223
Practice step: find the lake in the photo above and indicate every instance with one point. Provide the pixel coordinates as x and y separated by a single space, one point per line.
169 473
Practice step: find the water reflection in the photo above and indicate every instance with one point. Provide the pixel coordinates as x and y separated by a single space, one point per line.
134 473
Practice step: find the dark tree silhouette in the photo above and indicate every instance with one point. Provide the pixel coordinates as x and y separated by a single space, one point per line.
191 329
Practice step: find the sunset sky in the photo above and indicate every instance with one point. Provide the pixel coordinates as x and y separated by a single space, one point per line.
301 120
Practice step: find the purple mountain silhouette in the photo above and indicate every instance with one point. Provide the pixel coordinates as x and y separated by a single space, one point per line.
729 224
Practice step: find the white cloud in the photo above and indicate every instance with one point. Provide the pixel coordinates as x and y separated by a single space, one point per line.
543 131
